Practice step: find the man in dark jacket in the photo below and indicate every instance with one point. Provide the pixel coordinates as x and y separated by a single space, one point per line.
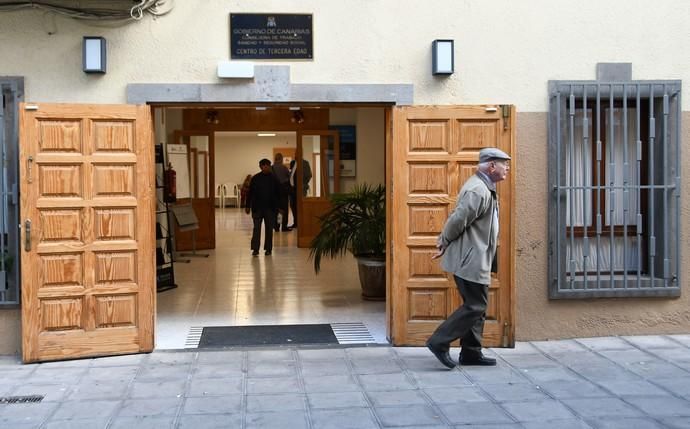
262 199
468 246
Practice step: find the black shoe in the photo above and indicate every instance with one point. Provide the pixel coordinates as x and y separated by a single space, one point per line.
479 360
267 253
443 357
255 253
287 229
293 226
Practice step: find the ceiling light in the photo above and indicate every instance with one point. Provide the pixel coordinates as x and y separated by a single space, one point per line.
260 108
294 107
212 117
266 134
297 117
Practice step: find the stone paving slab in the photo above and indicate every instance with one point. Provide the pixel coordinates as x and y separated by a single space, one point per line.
609 382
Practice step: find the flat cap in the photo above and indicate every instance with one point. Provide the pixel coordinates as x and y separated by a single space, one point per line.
489 153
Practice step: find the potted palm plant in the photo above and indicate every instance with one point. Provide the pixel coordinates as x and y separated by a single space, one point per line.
356 223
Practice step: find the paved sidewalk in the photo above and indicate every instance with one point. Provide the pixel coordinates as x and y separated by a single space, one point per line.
612 382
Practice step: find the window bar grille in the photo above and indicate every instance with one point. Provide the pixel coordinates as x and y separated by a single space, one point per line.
610 139
11 92
626 193
677 189
638 141
571 187
558 188
585 146
3 202
598 200
612 194
664 142
652 183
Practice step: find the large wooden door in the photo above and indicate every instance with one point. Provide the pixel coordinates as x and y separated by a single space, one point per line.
87 220
199 186
318 153
434 151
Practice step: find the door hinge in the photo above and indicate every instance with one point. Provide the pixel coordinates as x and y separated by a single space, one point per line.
505 113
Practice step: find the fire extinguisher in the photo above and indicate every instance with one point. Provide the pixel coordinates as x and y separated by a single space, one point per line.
170 184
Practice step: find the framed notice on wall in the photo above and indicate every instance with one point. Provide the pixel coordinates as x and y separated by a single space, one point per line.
178 158
267 36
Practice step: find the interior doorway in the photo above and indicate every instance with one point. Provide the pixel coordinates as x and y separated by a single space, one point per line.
232 288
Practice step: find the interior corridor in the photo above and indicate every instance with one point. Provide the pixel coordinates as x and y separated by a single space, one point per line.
232 288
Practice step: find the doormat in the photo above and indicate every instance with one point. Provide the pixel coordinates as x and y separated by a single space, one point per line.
266 335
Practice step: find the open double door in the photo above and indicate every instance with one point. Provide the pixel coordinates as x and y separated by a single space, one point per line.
88 209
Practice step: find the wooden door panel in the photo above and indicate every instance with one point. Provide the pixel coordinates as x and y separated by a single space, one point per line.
88 284
202 194
310 208
434 151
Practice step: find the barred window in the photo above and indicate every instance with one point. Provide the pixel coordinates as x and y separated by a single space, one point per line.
614 188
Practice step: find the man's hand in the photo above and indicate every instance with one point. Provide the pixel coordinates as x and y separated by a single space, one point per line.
441 251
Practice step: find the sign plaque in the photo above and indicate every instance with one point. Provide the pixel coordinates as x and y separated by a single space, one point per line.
266 36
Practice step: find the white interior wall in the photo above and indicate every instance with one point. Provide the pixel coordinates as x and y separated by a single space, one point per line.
238 154
371 143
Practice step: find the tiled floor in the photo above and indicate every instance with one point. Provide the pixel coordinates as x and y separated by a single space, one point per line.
232 288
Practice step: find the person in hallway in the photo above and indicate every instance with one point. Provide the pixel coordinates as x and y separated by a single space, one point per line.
293 193
306 177
283 175
262 200
245 190
468 247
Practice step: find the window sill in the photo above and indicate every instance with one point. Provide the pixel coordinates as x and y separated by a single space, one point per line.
648 288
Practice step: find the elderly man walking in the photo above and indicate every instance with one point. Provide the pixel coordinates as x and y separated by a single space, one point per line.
468 247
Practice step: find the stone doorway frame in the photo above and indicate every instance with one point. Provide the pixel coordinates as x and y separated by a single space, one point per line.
271 84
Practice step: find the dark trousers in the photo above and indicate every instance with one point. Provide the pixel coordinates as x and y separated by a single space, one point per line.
467 322
268 217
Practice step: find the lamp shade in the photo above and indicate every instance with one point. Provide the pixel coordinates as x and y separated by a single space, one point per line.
443 57
93 54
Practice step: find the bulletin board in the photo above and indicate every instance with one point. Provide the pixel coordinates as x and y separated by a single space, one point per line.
178 157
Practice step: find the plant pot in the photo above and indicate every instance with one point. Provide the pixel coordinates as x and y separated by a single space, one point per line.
372 277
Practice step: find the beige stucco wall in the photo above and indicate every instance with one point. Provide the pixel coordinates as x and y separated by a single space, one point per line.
505 50
541 318
10 331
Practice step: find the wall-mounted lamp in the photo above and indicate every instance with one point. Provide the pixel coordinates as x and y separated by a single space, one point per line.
297 117
212 117
93 54
443 57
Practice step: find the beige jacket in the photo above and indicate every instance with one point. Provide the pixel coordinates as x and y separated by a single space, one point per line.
471 232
